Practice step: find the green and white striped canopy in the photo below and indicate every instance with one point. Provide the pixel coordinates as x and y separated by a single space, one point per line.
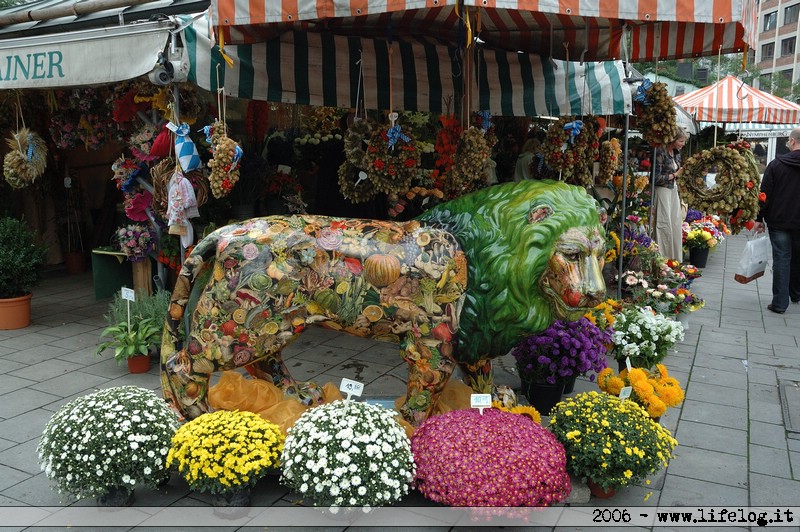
324 69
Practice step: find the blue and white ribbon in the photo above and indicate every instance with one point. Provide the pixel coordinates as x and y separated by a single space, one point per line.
30 147
395 134
207 131
486 119
574 129
641 92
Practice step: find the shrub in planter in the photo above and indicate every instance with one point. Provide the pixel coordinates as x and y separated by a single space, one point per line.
20 258
114 438
348 453
495 459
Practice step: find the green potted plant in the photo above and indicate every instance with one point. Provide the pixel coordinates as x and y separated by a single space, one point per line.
131 341
107 443
153 307
21 258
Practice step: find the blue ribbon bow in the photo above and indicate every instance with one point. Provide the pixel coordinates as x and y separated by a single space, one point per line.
486 119
237 154
207 131
30 147
641 92
574 129
395 134
183 130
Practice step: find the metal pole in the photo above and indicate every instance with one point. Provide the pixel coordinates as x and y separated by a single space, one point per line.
624 200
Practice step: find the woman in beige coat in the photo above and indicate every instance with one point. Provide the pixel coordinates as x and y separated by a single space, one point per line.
668 215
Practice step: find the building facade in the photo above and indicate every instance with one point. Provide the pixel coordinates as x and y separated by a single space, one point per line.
776 53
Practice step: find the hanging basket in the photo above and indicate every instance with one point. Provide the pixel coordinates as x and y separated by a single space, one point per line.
27 159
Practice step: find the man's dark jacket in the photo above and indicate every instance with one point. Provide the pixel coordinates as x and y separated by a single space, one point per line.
781 184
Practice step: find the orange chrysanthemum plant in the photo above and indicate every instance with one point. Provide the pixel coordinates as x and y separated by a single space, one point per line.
654 390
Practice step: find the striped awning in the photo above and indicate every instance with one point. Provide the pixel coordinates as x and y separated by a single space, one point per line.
732 100
750 130
564 29
324 69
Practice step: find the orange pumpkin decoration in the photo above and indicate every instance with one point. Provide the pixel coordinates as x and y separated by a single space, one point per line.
381 270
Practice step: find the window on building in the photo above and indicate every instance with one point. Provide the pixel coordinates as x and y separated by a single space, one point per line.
765 81
787 74
770 21
767 51
751 56
787 46
790 14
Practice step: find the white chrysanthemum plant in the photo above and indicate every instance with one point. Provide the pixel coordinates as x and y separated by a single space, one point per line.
114 439
346 453
644 336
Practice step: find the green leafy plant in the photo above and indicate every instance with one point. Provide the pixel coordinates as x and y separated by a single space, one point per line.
130 340
153 307
20 258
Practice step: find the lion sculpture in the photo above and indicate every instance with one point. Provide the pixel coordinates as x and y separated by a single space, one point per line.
459 285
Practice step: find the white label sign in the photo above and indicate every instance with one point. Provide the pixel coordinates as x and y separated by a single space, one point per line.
480 401
128 294
349 388
625 392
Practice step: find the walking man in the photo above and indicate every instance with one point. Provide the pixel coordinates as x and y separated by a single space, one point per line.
780 209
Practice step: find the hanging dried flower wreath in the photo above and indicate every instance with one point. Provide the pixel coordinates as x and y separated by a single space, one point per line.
225 162
656 116
571 148
391 160
26 159
352 179
467 173
736 189
610 152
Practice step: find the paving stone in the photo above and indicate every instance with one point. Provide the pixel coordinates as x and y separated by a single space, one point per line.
5 444
7 366
45 370
762 375
381 353
106 366
10 476
761 339
39 353
682 491
70 383
772 491
84 357
346 341
711 393
22 400
766 412
718 377
713 414
25 427
720 439
327 354
767 434
723 363
67 330
80 341
37 491
763 392
27 340
702 464
725 336
387 385
359 371
23 457
770 461
304 370
9 383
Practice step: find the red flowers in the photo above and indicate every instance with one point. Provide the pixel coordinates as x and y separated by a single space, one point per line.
762 196
750 185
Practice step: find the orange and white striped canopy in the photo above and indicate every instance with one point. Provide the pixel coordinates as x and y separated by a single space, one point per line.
731 100
562 29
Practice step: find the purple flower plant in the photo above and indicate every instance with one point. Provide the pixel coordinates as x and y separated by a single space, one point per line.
495 459
562 350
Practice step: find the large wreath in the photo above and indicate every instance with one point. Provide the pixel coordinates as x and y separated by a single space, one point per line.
656 116
391 168
572 149
735 193
352 182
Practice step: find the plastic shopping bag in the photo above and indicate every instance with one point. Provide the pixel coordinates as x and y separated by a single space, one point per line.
754 260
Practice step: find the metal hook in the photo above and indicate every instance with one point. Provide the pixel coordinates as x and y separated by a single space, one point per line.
741 86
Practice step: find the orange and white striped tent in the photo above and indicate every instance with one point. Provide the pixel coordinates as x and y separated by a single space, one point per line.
731 100
561 29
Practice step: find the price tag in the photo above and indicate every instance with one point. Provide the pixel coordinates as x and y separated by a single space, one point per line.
480 401
128 294
628 363
353 388
625 392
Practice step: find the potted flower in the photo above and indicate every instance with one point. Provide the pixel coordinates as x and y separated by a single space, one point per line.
153 307
20 261
465 458
131 340
700 237
107 443
654 390
348 453
644 336
609 441
225 453
547 360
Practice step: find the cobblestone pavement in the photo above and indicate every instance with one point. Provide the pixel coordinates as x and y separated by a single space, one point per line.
738 446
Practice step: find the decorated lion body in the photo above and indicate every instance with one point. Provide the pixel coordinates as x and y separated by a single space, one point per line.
460 285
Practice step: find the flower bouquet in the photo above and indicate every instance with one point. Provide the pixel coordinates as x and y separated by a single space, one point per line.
348 454
644 336
697 235
114 439
225 452
654 390
495 459
135 241
609 441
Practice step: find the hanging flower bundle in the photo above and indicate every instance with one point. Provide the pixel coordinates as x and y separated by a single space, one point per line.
571 148
81 117
353 181
225 162
446 144
610 160
467 173
657 119
391 160
26 159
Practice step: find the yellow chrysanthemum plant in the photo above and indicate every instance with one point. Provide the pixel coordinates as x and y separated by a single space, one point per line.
225 451
522 410
610 441
654 390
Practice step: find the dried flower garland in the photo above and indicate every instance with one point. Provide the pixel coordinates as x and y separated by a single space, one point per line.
610 152
27 159
467 172
744 216
446 144
655 110
571 148
736 189
391 160
352 178
224 164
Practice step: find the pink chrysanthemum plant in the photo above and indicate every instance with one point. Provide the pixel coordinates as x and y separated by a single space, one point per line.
494 459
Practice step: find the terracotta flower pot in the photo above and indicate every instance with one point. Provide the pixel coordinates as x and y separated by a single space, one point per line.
600 492
139 364
15 312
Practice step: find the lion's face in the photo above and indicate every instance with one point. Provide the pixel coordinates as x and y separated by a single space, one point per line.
573 280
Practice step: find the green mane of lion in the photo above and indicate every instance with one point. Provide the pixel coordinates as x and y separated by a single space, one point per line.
506 258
